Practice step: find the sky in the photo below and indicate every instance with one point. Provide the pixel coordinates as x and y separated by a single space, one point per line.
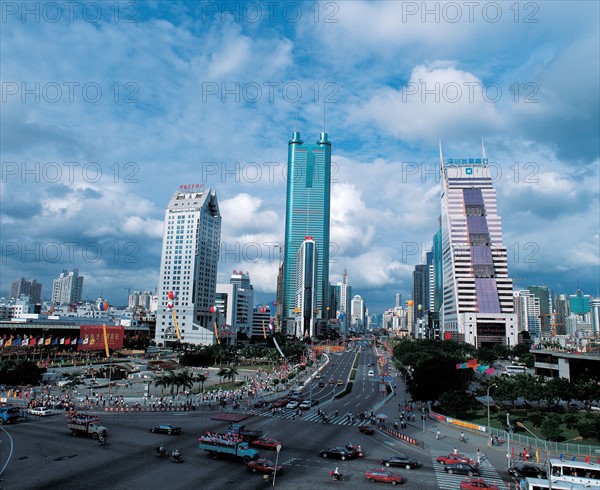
108 108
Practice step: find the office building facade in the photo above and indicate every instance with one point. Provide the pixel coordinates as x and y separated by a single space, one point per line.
477 305
188 268
307 214
23 287
67 288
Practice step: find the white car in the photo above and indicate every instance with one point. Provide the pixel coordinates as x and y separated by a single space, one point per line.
293 404
305 405
595 408
40 411
371 373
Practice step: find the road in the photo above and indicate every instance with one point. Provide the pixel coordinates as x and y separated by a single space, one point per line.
47 456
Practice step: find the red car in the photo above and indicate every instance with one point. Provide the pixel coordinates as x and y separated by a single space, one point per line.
383 475
263 466
477 484
367 429
454 458
266 442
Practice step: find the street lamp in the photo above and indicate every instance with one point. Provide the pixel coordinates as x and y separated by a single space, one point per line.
549 466
278 447
488 405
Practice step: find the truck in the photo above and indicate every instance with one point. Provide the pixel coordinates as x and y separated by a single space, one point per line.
246 433
89 425
9 414
225 445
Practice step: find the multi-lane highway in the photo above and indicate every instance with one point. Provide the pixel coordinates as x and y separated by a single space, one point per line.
45 455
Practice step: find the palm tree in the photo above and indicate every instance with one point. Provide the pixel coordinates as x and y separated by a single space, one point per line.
72 380
166 380
229 373
201 378
184 379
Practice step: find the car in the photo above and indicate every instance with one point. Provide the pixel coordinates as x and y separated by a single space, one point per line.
263 466
477 484
293 404
337 452
461 469
261 404
266 442
305 405
402 461
527 470
318 376
331 381
340 382
40 411
282 402
367 429
454 458
321 384
371 373
383 475
595 408
166 429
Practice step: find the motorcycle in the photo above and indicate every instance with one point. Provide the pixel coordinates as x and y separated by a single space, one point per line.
161 452
177 458
336 476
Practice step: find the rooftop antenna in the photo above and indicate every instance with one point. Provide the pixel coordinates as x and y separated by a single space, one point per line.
324 106
441 157
296 116
482 148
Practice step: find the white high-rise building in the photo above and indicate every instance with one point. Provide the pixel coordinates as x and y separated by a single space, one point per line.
306 308
188 267
527 309
235 302
345 300
477 292
358 314
67 288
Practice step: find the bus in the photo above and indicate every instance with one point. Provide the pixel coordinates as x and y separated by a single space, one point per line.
587 474
514 369
539 484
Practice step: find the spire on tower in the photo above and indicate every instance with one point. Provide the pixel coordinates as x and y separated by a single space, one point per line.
482 148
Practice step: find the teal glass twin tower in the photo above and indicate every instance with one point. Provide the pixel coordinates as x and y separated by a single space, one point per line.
307 214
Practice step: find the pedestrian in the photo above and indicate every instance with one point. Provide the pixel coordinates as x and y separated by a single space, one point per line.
396 424
336 412
437 434
462 437
455 450
478 456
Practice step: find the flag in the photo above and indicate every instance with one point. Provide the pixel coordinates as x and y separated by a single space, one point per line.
62 341
8 343
86 341
561 456
92 341
55 341
47 341
574 458
25 341
68 341
41 341
17 340
587 458
2 341
537 456
80 341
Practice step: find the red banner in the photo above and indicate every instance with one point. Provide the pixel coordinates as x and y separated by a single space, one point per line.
91 337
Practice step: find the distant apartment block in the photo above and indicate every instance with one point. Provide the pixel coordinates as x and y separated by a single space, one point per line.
67 288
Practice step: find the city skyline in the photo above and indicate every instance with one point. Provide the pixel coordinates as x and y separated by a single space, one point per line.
93 147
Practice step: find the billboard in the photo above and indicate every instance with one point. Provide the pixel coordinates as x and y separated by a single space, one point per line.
92 337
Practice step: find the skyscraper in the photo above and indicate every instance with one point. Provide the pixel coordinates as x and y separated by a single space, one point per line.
188 267
307 214
477 292
67 288
30 288
306 289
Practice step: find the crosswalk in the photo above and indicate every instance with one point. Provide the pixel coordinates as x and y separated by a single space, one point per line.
309 416
451 482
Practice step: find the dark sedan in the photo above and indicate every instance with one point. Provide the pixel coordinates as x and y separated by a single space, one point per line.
338 453
166 429
527 470
462 469
367 429
401 461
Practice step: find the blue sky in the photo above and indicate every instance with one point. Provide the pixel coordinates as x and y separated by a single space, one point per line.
108 108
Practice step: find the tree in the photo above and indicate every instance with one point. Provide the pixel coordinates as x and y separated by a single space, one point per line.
201 378
72 380
550 428
184 379
166 380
